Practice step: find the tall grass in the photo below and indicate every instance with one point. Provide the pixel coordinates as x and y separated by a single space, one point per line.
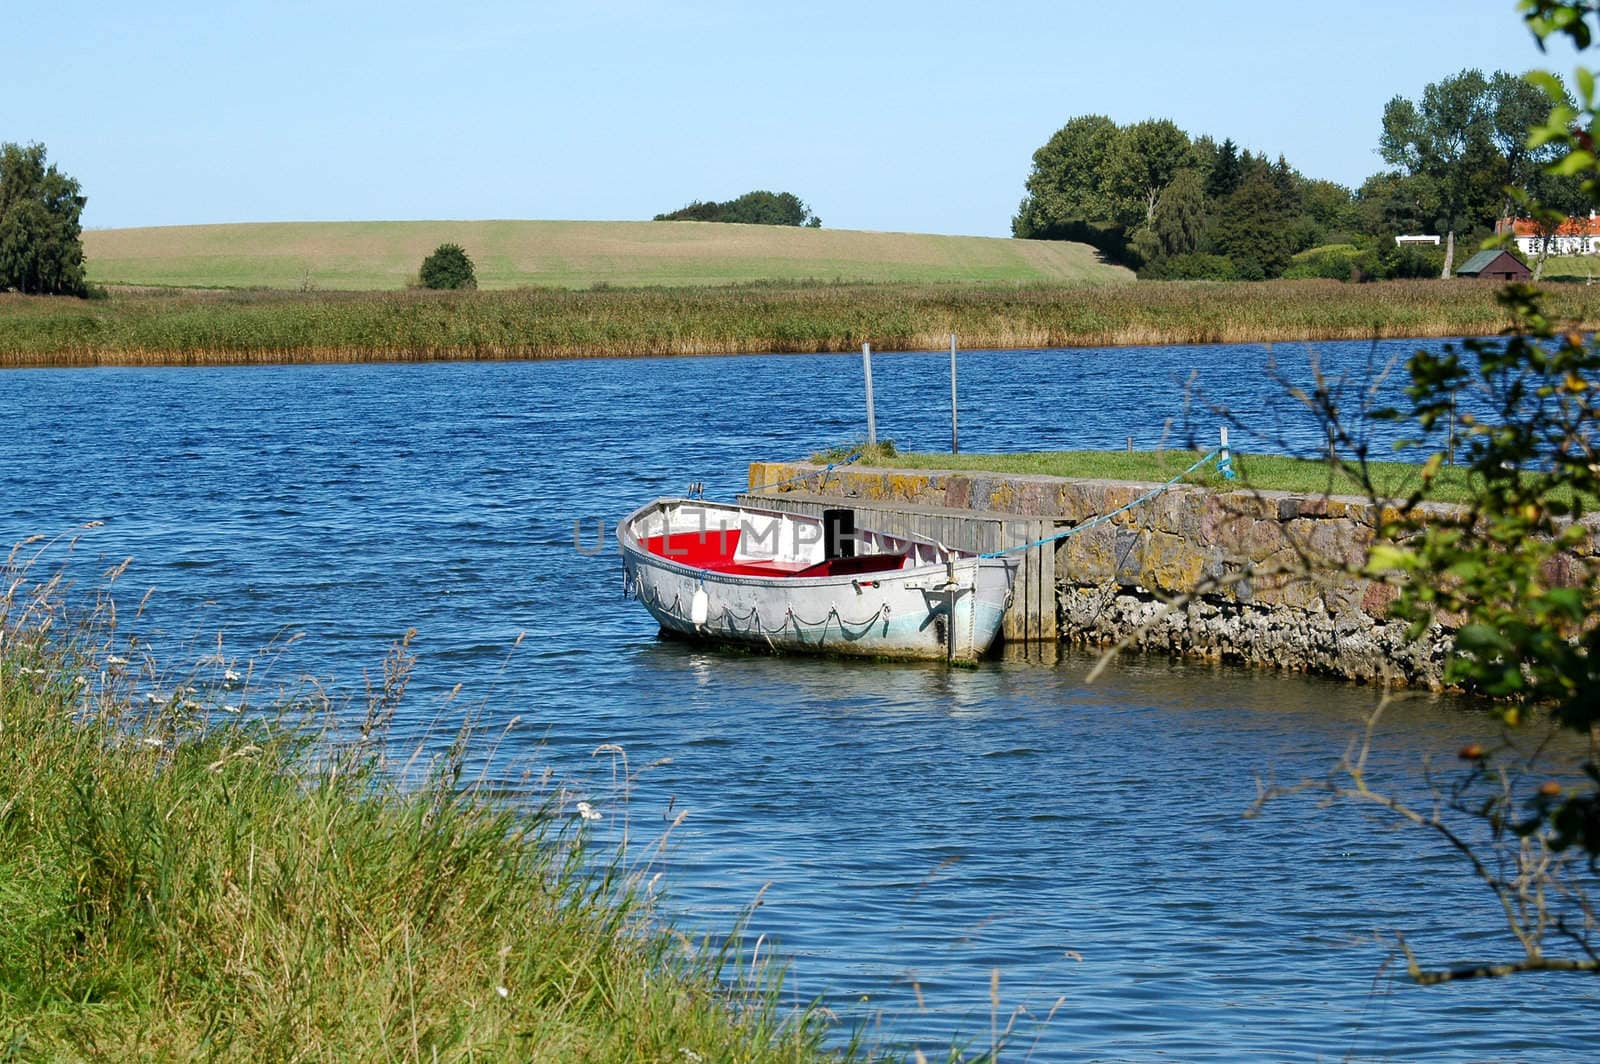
153 328
175 885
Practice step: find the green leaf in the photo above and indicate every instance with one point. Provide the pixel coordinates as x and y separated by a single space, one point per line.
1548 83
1386 558
1574 162
1480 638
1567 600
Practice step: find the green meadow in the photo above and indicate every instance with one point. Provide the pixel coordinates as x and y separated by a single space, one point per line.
362 256
1572 269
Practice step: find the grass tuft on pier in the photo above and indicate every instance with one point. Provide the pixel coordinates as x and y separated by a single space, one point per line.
179 881
1261 472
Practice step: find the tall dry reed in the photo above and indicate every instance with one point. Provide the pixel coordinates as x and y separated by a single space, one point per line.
167 327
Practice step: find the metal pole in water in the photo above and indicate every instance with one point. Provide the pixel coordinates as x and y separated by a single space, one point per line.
872 422
955 437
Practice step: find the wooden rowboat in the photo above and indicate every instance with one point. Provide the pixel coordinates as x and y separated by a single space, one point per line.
790 582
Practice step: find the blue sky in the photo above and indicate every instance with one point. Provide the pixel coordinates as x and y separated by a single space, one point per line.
899 116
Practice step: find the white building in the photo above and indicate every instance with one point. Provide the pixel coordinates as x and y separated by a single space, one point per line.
1575 236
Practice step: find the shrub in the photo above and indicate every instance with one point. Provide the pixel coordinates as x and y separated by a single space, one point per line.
448 267
1336 262
1410 262
1191 267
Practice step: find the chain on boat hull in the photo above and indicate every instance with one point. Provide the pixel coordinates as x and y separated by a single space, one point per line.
701 570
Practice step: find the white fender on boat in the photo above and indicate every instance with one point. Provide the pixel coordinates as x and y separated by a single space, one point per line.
699 607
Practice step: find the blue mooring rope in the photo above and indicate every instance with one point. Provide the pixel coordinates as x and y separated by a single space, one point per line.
1075 529
823 473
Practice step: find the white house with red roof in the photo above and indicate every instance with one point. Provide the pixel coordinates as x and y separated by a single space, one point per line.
1575 236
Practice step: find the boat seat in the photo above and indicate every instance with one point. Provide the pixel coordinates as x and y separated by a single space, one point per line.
861 563
755 567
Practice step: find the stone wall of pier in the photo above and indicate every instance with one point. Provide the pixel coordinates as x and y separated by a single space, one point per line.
1265 578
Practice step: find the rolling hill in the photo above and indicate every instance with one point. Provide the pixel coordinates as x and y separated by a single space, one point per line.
511 254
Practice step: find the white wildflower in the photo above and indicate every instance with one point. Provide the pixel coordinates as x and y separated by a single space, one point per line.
112 659
502 991
588 812
229 707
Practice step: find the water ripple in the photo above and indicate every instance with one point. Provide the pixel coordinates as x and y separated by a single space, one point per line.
913 829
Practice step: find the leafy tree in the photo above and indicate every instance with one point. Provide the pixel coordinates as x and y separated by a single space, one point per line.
1514 577
1328 208
1144 159
1393 202
752 208
1468 136
1068 181
1179 222
41 245
1517 105
448 267
1147 193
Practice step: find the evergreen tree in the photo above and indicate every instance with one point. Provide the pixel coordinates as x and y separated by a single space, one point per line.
1254 226
1226 172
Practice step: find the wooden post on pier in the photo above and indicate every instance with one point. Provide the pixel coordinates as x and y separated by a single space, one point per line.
872 422
955 436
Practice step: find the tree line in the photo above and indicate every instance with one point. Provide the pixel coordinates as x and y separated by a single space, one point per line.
1150 196
753 208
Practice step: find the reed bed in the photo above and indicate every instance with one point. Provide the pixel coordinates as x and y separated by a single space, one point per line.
180 880
189 327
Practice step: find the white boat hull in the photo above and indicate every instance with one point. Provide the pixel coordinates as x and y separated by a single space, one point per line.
939 604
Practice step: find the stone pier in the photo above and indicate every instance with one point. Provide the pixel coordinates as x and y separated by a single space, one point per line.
1265 578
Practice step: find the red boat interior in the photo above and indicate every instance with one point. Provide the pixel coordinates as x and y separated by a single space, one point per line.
714 552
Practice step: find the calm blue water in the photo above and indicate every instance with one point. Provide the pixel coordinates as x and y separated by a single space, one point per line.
914 829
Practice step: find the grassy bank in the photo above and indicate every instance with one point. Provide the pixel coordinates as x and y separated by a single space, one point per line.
510 254
1572 269
170 327
1262 472
238 891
